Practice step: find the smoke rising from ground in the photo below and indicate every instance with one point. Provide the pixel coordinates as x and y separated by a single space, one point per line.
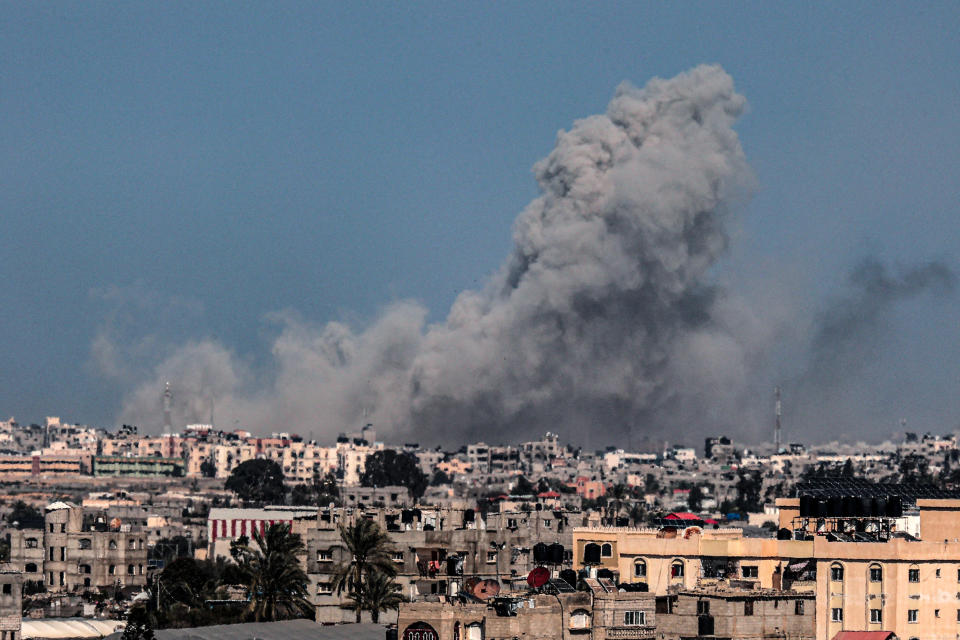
604 323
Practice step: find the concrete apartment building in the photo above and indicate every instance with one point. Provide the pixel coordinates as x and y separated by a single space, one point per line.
863 581
11 602
73 553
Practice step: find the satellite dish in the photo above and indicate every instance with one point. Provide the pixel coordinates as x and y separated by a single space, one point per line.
538 577
486 589
470 583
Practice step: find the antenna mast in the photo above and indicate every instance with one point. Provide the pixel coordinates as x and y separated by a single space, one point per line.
777 429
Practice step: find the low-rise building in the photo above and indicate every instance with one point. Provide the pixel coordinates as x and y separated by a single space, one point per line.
11 602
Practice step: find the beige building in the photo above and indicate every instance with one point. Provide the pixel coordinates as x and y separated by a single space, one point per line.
11 602
73 554
879 583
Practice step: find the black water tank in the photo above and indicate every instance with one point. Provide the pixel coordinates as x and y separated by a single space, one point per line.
808 507
866 507
468 515
851 506
834 507
555 553
541 553
894 507
784 534
591 553
570 577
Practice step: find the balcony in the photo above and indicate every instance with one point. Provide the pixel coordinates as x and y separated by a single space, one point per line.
631 633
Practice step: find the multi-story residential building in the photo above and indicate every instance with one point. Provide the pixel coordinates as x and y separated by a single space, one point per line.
11 602
74 553
865 575
138 466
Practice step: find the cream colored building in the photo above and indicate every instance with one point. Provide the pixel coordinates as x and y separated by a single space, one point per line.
904 585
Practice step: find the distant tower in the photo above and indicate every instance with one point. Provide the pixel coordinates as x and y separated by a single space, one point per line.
777 429
167 402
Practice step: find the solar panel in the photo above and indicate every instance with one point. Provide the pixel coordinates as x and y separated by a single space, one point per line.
562 586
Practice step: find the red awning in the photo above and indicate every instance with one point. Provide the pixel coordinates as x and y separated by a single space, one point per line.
682 515
548 494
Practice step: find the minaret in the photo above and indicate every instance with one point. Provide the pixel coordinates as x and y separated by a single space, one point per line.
777 429
167 401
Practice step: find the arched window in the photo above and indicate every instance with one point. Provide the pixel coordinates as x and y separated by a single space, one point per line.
456 631
639 569
30 568
474 631
606 551
913 573
85 543
131 569
676 569
580 619
876 573
113 544
836 572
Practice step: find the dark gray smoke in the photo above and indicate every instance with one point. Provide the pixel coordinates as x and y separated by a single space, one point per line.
848 331
602 319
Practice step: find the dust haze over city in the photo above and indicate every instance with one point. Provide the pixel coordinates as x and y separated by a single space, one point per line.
701 227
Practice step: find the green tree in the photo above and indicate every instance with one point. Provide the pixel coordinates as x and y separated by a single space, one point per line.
368 550
277 584
389 467
380 593
440 477
208 469
523 487
695 499
24 515
258 482
139 626
748 491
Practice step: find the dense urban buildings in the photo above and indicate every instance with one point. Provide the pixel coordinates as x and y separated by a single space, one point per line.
537 539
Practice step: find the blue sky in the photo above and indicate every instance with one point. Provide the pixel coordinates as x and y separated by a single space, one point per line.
185 170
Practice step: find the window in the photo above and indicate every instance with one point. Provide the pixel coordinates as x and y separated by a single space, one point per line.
51 554
83 568
324 588
30 568
836 614
748 607
958 615
113 544
913 575
676 569
580 619
937 573
31 543
798 607
913 615
936 613
398 556
85 543
132 544
606 551
63 528
50 582
634 618
703 607
7 588
876 616
324 555
639 569
474 631
63 554
836 573
750 572
112 569
876 573
51 531
491 556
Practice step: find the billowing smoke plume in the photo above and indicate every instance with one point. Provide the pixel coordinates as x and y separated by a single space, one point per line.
603 304
604 323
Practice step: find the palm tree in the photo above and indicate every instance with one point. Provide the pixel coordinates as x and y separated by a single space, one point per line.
380 593
277 583
368 551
